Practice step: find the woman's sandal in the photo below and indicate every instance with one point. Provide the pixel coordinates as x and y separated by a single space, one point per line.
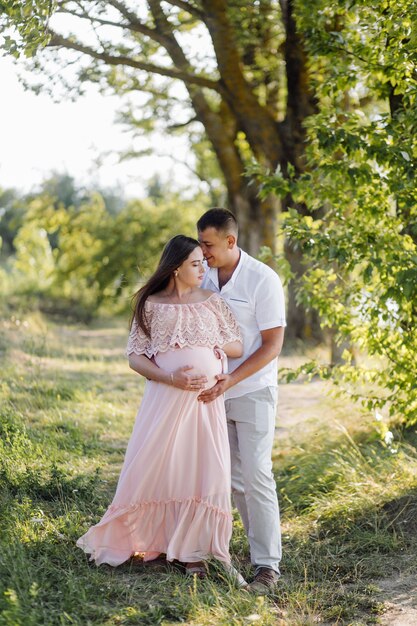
196 569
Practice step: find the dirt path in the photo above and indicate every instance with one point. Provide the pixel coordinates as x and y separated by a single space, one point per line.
302 405
302 409
399 595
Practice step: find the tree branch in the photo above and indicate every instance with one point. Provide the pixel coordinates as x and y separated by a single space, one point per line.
220 126
185 6
90 18
254 119
133 23
58 41
136 24
183 124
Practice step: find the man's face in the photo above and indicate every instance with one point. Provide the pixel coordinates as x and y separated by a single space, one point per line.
215 246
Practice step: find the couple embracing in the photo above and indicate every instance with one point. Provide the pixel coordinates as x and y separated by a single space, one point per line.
207 343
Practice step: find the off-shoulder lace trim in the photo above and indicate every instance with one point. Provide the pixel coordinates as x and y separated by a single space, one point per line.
208 323
150 303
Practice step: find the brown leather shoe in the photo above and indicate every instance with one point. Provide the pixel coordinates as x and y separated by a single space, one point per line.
264 582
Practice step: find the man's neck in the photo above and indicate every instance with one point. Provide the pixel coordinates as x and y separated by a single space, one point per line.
225 273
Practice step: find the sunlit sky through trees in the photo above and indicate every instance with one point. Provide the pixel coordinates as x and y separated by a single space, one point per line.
81 138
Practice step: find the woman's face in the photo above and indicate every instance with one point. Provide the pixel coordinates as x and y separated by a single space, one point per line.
191 271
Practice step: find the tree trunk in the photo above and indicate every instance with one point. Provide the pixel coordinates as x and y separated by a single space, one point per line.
301 103
302 325
257 218
227 105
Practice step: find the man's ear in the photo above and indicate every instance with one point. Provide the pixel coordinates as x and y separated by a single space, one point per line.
231 241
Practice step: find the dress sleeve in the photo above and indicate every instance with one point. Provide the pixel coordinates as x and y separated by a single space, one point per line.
138 342
228 327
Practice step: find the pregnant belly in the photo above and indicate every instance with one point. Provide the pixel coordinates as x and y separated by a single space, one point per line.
202 360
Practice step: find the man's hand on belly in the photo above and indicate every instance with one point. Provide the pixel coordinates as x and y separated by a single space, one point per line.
224 381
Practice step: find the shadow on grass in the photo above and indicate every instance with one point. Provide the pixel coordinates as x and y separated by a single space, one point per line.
47 577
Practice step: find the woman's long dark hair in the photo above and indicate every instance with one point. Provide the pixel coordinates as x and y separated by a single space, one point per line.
175 252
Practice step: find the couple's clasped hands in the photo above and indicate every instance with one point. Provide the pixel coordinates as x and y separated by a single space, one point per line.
224 381
184 379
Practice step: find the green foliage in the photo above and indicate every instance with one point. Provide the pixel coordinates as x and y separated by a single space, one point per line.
361 45
12 211
359 236
25 25
76 258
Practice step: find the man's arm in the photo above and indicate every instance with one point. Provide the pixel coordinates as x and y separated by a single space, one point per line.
272 340
234 349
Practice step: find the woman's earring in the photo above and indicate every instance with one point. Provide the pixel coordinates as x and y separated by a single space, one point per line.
176 273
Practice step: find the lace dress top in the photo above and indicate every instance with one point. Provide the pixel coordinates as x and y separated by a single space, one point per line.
209 323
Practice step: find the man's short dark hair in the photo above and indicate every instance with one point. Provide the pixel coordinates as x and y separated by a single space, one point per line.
220 219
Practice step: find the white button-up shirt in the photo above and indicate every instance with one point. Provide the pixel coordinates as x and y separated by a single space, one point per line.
255 294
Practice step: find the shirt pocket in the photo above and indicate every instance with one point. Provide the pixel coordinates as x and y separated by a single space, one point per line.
243 309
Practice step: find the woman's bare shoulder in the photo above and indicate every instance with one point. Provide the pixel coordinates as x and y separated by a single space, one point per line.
198 296
157 298
206 293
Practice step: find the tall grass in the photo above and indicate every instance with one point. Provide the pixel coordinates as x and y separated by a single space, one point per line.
68 401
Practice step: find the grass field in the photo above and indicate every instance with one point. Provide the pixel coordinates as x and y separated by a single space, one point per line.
68 401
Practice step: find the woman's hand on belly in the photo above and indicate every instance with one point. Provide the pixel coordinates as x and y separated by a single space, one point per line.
188 378
192 369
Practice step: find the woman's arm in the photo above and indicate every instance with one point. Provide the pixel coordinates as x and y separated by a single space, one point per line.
180 377
145 367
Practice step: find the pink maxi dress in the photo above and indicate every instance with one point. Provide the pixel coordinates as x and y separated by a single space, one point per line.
173 494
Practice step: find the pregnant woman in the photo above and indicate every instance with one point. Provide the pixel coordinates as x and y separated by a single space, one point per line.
173 494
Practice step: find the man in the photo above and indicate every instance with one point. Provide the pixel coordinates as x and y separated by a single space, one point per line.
254 293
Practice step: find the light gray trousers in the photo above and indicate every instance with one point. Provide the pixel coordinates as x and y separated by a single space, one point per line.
251 428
